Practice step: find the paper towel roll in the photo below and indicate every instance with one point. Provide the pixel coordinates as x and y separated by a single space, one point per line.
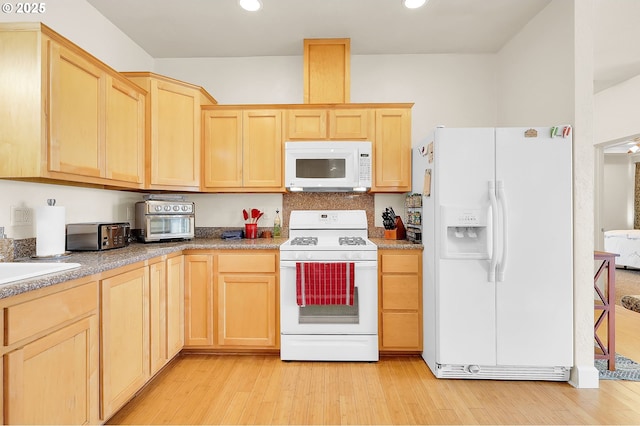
50 231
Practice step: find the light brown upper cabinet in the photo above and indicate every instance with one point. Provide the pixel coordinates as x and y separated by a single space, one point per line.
392 150
66 116
350 124
124 131
306 124
173 131
242 150
387 126
327 68
76 115
333 123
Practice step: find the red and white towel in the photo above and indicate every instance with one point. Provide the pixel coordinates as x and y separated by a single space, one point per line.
325 283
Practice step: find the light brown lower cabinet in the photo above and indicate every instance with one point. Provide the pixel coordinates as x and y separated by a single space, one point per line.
166 308
124 328
198 300
400 295
142 318
231 300
246 291
50 367
174 307
158 316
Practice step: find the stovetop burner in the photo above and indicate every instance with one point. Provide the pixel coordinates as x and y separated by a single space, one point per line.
352 241
304 241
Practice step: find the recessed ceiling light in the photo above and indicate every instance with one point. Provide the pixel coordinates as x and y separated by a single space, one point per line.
413 4
250 5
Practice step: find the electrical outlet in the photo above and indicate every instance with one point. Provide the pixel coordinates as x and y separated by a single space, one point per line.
21 216
129 213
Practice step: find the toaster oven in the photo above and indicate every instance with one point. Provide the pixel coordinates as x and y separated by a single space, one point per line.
164 220
97 236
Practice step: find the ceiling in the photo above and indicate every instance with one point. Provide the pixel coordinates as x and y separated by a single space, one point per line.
220 28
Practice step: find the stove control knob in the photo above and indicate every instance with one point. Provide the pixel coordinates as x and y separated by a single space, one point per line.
176 208
158 208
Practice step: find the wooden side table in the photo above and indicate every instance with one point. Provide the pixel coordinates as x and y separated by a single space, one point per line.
606 303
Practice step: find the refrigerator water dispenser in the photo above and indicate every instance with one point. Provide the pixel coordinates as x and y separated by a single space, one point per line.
464 233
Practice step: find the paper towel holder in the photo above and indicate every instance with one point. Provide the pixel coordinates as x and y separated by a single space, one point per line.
51 202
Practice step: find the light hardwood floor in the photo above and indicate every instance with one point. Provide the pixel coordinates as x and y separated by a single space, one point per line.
237 389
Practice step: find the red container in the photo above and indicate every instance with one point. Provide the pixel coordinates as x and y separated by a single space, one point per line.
251 230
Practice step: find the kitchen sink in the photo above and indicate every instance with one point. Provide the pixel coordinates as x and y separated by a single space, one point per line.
15 271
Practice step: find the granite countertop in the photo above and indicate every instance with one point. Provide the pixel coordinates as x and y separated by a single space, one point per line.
396 244
95 262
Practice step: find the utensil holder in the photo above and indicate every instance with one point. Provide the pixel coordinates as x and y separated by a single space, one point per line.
399 233
251 230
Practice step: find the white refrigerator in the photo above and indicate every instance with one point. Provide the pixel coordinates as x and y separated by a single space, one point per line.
497 265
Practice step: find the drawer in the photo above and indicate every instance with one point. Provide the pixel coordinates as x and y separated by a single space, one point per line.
247 263
35 316
403 263
400 292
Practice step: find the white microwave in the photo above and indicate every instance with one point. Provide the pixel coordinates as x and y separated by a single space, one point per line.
328 166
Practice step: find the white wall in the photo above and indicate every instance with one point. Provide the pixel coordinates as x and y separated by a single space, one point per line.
452 90
617 112
225 210
81 204
545 78
536 71
616 119
81 23
618 194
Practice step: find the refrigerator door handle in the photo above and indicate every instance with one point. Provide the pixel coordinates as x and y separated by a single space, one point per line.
502 198
494 231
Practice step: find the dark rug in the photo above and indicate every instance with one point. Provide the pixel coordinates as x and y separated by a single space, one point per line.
631 302
626 369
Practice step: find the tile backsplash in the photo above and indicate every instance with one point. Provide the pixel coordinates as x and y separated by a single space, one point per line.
7 250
